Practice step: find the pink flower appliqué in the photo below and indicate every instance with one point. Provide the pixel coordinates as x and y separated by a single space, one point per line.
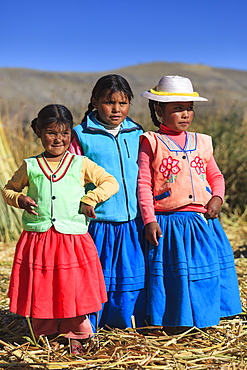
169 166
198 165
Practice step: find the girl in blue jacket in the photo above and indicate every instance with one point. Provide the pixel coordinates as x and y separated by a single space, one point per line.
110 138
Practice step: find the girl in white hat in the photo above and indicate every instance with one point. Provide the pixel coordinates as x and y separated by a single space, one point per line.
192 279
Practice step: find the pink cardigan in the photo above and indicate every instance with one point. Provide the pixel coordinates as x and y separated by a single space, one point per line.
145 178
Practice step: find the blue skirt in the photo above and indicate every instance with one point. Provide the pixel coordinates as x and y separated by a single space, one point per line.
120 248
192 279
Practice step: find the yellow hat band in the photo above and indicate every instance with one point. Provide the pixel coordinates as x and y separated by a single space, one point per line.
171 93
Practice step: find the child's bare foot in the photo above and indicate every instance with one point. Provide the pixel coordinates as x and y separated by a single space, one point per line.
77 347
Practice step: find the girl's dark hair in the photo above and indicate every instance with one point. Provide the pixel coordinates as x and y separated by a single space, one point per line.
109 84
153 113
52 113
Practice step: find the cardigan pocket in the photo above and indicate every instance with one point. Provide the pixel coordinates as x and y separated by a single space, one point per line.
163 195
209 190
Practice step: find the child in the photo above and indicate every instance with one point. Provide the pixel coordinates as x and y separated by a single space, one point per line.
192 278
56 277
110 138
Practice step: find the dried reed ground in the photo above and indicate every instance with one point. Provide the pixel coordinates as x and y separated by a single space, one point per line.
221 347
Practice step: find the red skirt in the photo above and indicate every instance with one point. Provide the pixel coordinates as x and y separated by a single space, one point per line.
56 275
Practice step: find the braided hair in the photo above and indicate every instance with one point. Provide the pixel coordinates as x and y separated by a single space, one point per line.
152 104
109 84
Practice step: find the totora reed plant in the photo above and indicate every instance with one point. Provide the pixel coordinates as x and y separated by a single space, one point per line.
17 141
228 130
10 225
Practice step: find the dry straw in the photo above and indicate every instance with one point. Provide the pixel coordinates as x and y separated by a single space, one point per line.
221 347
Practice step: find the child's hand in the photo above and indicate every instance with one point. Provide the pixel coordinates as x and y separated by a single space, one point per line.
153 233
213 207
88 210
27 203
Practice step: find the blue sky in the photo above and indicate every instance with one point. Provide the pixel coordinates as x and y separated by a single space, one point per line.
101 35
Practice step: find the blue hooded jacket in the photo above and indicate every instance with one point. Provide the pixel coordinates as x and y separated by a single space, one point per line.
118 155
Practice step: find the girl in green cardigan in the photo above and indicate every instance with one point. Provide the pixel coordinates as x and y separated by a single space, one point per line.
57 277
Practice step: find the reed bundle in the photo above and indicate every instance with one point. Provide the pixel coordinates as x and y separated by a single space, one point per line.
10 224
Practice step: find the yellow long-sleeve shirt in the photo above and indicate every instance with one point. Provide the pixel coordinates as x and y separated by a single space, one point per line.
106 184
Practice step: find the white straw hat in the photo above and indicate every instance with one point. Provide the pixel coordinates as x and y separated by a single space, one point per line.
173 89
